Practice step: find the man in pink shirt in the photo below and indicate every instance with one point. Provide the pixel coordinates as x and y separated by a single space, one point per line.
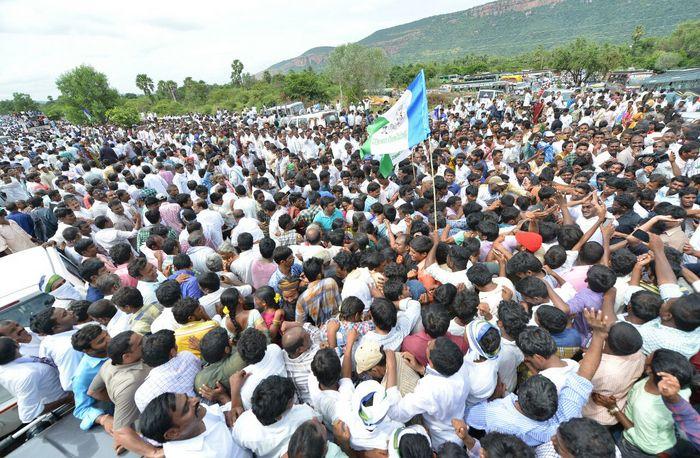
435 320
121 254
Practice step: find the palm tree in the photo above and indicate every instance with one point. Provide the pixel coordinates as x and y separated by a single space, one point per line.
144 83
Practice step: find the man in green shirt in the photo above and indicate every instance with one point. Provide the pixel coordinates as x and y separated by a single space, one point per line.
222 361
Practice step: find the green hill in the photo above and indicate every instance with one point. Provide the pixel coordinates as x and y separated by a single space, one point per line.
508 27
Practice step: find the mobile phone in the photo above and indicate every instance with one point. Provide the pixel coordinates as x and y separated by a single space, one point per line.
641 235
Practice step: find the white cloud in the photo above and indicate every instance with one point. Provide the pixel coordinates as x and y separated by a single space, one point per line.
41 39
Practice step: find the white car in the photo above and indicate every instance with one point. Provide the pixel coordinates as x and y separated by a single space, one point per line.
20 297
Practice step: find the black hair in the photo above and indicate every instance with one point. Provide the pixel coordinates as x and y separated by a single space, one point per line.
548 231
421 244
600 278
513 317
128 296
538 398
393 289
104 308
672 362
531 287
445 294
435 319
590 253
79 309
184 308
383 314
168 293
266 294
90 268
522 262
479 275
267 247
313 268
156 418
488 229
245 241
645 305
213 345
351 306
586 437
500 445
446 357
326 367
414 445
555 257
536 341
42 322
156 347
552 319
118 346
451 450
209 281
136 265
80 341
624 339
307 441
569 235
464 305
686 312
182 261
120 253
395 271
8 350
271 398
252 345
622 261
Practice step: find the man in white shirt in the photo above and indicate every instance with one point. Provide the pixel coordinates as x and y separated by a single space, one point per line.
107 236
248 253
188 429
154 181
392 326
439 396
28 341
245 203
56 325
267 428
262 361
33 381
245 224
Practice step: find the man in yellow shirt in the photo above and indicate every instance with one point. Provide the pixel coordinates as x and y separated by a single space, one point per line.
196 324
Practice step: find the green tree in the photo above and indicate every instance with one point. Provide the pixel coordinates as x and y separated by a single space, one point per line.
307 86
123 116
581 59
357 69
144 83
667 60
84 88
23 102
167 89
267 77
236 72
194 92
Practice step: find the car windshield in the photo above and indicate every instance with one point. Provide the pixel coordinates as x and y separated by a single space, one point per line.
22 310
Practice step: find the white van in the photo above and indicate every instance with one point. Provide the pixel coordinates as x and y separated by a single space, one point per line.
20 298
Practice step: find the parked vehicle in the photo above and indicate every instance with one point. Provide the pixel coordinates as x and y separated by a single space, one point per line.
21 298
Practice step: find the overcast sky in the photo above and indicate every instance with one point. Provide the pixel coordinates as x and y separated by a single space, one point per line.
41 39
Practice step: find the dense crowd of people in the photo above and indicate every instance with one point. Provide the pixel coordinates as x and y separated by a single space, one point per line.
524 284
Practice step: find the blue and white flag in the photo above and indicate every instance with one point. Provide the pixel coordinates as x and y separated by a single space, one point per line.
402 127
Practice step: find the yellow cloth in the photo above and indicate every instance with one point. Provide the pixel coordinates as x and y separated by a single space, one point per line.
196 329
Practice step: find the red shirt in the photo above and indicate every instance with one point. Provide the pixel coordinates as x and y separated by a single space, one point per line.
417 344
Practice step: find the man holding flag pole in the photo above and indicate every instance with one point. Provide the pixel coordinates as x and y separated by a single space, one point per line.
394 133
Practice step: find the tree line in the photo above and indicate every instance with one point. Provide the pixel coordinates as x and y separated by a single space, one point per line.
350 72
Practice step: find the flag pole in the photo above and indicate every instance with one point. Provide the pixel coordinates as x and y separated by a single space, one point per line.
432 173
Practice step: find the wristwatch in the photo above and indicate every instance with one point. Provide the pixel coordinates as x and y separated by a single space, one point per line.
614 410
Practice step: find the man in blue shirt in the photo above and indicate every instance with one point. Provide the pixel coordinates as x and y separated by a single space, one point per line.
535 413
24 220
187 278
328 213
91 340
